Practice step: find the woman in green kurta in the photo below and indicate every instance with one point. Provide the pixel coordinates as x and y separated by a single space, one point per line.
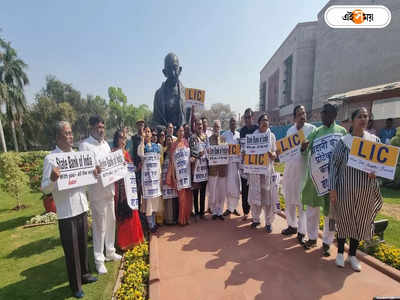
315 193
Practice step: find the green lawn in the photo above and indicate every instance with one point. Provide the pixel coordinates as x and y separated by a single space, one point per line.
392 232
32 260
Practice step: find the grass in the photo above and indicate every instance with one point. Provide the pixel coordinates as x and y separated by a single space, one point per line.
390 195
32 260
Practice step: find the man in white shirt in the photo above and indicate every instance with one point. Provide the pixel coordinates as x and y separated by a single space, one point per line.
101 200
232 136
293 179
72 210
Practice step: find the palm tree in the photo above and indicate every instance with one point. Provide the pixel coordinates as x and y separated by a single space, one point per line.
13 76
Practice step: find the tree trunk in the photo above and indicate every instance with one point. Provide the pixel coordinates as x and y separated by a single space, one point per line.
14 134
22 138
3 141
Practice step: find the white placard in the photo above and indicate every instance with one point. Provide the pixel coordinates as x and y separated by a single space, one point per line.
76 169
131 187
113 167
258 143
321 153
182 168
151 175
167 191
218 154
201 170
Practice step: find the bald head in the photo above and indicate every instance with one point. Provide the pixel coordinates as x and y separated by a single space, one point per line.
172 69
170 60
217 127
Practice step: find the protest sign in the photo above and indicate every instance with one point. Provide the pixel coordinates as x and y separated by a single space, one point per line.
321 153
195 97
113 167
182 168
372 157
255 163
167 191
218 154
131 187
234 153
151 173
76 169
290 146
242 142
258 143
201 169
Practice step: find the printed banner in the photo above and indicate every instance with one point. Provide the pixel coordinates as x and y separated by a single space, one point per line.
182 168
131 188
321 153
373 157
113 167
257 143
167 191
195 97
76 169
255 163
290 146
218 155
151 175
201 170
234 153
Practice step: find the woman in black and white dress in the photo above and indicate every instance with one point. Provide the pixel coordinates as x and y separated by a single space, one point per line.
354 194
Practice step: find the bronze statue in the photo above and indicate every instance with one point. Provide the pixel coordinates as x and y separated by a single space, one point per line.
169 98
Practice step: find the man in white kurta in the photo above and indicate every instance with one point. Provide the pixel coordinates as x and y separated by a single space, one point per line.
293 180
232 136
72 210
101 200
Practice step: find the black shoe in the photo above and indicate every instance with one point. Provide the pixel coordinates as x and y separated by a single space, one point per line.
310 244
325 250
289 231
235 212
154 229
254 224
268 228
209 211
300 238
227 213
79 294
221 218
214 217
89 279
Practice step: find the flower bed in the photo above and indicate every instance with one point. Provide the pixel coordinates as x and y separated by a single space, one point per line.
134 282
388 254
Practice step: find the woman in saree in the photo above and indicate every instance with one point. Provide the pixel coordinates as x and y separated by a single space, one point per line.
129 228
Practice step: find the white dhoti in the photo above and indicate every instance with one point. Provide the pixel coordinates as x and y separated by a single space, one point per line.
313 216
152 205
262 197
293 180
103 226
217 192
232 186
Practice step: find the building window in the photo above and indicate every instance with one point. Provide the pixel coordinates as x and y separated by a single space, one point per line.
263 96
287 81
273 90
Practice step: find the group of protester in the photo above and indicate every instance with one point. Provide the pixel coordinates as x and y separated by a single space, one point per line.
166 197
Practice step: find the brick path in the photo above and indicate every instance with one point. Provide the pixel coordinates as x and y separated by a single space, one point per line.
228 260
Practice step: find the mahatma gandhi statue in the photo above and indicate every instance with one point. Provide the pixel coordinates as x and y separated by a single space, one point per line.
169 98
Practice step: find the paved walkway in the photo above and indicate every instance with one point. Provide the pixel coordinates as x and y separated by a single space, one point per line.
228 260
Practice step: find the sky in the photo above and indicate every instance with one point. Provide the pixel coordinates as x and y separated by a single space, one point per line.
222 45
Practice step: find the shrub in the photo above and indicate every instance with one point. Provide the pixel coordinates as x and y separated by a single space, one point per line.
135 279
30 163
16 182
